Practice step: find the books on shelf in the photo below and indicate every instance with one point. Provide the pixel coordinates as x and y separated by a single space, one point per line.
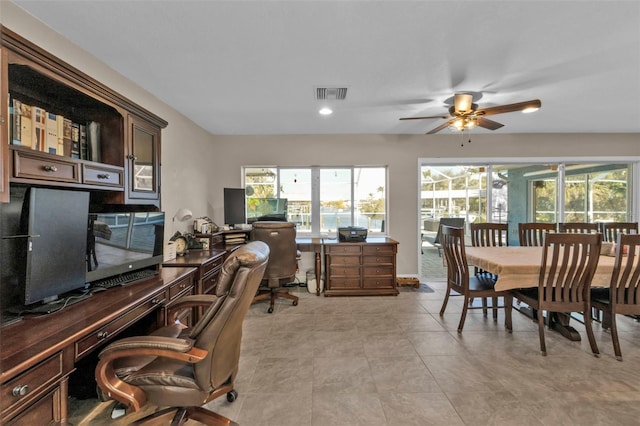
51 145
236 238
45 131
39 122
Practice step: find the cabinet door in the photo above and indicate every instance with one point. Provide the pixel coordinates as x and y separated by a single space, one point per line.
143 160
4 128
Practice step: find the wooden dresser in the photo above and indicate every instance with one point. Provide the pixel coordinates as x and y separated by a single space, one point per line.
359 269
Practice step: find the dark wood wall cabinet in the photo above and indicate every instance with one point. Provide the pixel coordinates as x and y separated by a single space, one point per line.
123 139
357 269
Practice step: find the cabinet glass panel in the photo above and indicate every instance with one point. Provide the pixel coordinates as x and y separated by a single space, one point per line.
143 147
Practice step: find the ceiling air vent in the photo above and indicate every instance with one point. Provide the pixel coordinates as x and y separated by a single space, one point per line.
331 93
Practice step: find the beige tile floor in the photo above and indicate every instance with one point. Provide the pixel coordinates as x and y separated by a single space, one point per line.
395 361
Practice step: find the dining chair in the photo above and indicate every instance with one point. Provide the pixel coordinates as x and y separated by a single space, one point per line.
489 234
623 295
610 230
578 227
458 279
532 234
569 261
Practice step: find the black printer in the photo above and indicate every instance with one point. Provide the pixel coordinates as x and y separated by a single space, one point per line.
352 234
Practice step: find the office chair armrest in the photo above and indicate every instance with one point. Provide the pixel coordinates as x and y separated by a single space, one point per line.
194 301
158 346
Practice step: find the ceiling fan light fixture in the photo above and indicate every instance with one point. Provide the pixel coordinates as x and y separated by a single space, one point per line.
325 111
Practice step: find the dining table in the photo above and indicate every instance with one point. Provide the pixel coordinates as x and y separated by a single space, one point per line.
519 267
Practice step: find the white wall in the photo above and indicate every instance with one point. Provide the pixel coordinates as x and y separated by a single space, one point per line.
400 153
196 166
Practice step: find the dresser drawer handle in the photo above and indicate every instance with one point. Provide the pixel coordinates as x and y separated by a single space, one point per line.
155 301
20 390
132 157
50 169
103 335
104 176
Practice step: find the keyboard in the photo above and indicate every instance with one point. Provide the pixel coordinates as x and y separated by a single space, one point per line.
124 279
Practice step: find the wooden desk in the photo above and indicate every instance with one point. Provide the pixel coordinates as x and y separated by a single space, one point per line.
313 245
38 353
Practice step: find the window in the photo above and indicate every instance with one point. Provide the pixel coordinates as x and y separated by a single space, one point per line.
319 199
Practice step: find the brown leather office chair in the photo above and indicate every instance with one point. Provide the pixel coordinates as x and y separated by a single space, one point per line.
283 260
610 230
183 368
531 234
623 295
458 278
569 261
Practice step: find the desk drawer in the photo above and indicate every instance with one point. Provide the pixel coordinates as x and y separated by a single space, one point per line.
105 176
107 332
345 260
30 165
343 249
377 271
377 249
31 382
46 411
378 282
340 283
209 267
343 271
179 287
378 260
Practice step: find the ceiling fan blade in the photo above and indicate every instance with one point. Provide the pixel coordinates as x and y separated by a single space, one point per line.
501 109
462 103
440 127
488 124
444 117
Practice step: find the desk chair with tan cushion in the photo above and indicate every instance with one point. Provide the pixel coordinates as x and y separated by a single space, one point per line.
184 368
283 260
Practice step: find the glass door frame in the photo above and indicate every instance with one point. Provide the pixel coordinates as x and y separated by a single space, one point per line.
634 180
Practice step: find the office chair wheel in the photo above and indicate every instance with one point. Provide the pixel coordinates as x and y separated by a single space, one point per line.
270 310
295 303
232 395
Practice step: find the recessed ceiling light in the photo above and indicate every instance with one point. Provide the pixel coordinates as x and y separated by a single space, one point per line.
326 111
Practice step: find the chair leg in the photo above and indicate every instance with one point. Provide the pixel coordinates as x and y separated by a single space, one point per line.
543 347
614 337
484 307
208 417
463 316
445 301
589 328
494 302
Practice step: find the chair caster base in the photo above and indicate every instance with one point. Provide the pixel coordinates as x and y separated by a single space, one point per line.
232 395
270 310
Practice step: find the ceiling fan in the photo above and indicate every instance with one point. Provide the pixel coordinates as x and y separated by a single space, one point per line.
465 115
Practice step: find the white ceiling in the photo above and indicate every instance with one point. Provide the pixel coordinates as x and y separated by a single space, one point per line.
242 67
